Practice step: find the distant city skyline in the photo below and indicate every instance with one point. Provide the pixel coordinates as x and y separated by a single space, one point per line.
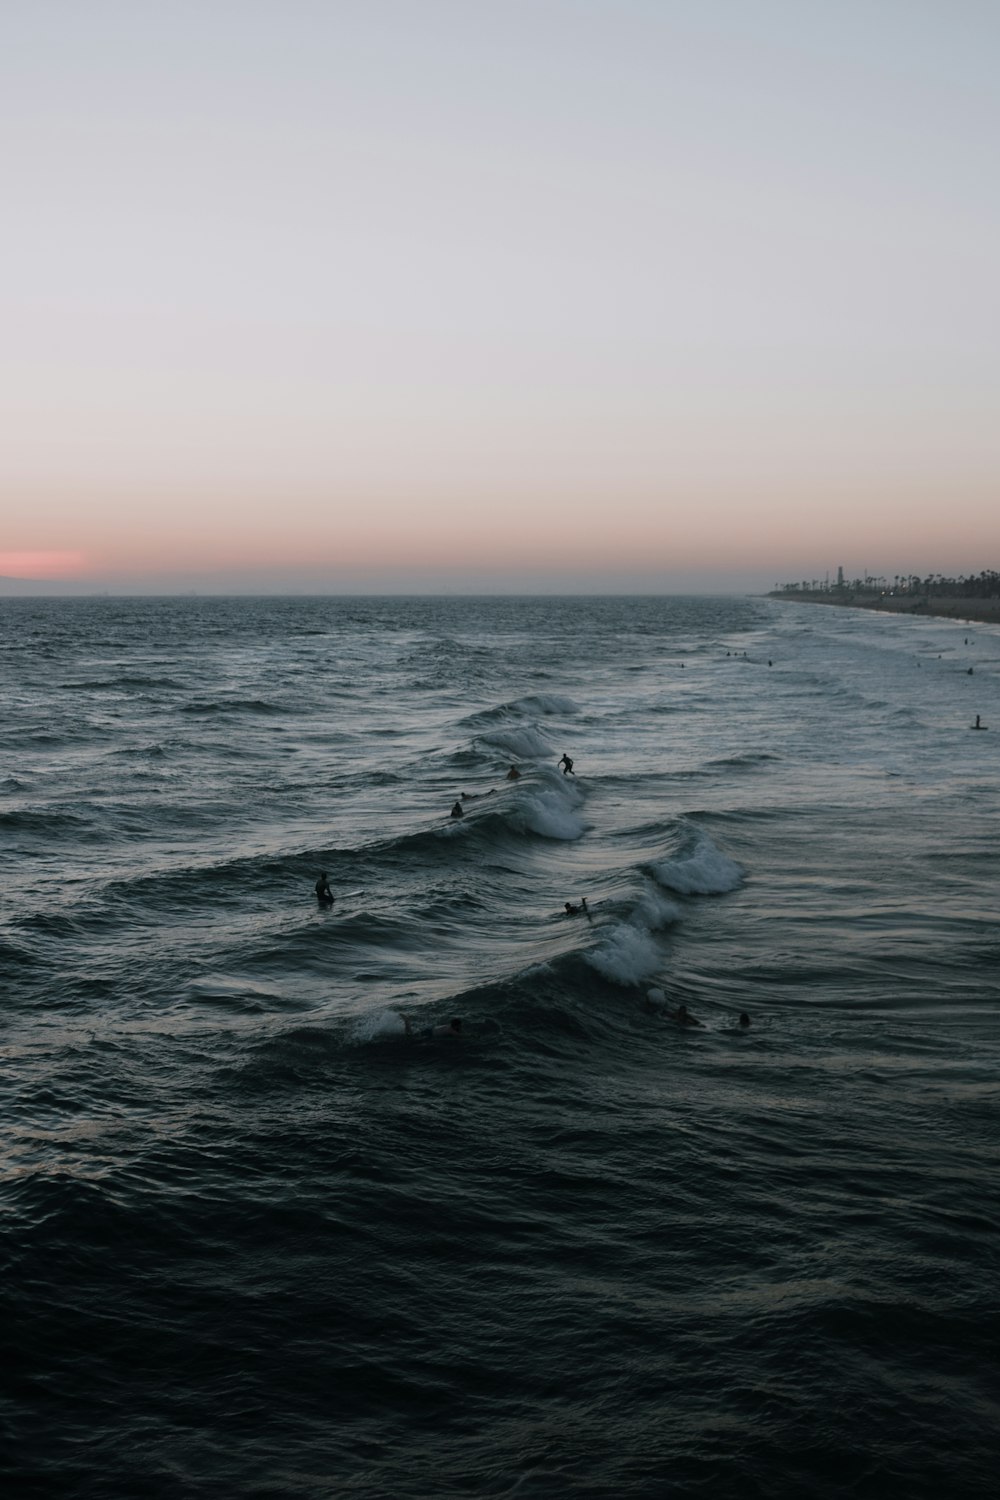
680 296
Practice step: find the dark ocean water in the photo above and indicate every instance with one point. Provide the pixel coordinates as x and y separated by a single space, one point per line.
257 1241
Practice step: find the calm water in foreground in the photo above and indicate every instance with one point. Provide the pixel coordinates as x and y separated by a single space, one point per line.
257 1241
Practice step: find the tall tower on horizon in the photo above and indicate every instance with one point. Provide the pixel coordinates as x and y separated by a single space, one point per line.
840 578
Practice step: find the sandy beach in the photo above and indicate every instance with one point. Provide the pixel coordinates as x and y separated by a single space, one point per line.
954 607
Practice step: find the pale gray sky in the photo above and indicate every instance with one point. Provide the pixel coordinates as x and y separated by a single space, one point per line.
689 291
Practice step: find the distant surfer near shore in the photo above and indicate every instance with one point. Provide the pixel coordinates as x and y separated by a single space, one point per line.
744 1021
513 774
574 911
324 895
978 725
567 766
458 811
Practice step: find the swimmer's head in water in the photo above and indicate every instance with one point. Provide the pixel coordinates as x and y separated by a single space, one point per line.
744 1018
456 1024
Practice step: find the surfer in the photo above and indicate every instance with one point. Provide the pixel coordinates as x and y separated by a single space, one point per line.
324 895
744 1021
453 1030
458 811
513 774
573 911
978 724
683 1016
567 765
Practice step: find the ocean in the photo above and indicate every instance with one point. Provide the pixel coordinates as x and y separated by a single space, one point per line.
268 1230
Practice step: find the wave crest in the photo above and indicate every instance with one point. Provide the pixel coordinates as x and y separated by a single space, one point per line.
701 870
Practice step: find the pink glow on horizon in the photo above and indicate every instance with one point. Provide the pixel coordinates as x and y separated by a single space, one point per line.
42 565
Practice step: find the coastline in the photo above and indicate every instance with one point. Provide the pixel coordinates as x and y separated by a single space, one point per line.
947 607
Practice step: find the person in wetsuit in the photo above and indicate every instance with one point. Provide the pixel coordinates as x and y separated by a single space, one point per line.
683 1016
324 895
453 1030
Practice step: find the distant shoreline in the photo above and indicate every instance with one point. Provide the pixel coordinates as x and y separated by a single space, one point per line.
947 607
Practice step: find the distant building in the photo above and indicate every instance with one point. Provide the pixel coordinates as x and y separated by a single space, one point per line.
840 578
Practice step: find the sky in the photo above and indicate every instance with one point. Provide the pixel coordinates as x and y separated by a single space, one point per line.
497 295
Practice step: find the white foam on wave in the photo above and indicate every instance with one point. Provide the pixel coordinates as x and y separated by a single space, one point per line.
379 1026
701 871
626 954
550 809
655 911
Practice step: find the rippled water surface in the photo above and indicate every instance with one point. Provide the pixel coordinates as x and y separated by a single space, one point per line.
259 1239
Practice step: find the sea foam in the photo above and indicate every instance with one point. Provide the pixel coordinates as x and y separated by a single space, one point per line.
380 1025
550 809
702 870
626 954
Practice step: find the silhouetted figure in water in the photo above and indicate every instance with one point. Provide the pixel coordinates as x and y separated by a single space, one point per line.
970 672
567 765
744 1021
324 895
453 1030
978 724
683 1016
574 911
513 774
458 811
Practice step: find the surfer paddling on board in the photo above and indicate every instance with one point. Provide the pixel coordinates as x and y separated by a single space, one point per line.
567 765
458 811
656 1004
574 911
324 895
513 774
683 1016
451 1032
